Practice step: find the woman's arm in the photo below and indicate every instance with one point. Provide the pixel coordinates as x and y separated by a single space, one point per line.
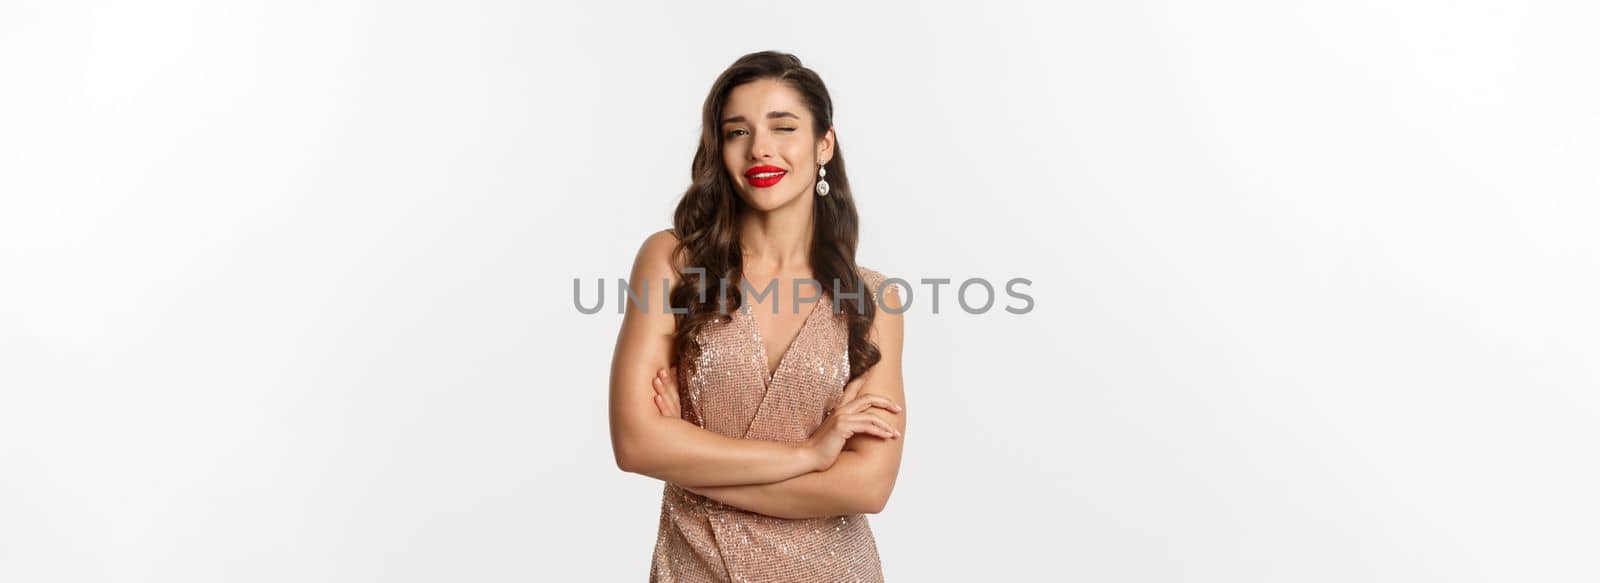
852 486
862 478
671 449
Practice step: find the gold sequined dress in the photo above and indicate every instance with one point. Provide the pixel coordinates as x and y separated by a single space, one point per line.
702 540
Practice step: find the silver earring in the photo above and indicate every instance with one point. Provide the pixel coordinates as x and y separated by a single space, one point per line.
822 185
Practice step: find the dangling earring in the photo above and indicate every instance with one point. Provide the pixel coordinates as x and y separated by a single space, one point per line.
822 185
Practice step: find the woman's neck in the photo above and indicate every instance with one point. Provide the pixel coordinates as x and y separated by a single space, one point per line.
776 241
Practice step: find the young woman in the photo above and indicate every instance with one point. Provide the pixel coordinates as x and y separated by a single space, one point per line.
773 410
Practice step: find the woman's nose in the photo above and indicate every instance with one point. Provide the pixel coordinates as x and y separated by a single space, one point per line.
760 148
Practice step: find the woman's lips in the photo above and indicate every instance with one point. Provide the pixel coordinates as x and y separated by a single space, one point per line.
764 176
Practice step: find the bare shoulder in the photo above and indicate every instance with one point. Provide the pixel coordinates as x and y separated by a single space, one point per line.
884 288
888 321
658 256
659 245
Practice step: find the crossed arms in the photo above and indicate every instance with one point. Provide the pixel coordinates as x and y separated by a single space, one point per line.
850 470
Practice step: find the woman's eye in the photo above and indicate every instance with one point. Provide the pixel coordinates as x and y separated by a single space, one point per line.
735 133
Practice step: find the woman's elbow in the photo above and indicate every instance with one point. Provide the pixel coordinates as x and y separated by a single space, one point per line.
631 444
624 462
876 499
628 457
874 504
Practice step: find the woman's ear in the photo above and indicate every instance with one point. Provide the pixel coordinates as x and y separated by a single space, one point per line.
825 147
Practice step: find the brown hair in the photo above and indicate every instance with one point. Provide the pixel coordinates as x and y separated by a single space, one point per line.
707 227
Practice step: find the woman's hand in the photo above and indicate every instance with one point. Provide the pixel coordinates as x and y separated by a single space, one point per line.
846 420
666 384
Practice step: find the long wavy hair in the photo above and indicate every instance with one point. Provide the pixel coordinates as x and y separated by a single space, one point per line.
706 221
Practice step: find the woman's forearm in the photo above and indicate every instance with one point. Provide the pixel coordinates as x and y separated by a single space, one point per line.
850 486
680 452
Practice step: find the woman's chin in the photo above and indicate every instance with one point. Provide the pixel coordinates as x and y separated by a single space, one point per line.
766 200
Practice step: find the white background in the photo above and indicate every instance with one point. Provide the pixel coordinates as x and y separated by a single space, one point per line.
285 288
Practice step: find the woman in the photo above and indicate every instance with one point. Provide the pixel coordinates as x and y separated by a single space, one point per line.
790 424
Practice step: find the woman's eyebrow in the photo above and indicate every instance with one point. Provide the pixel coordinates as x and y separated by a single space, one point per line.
770 115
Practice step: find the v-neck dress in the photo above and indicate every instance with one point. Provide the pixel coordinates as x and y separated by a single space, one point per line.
730 392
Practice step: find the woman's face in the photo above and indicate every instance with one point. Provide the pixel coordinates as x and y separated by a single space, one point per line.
768 146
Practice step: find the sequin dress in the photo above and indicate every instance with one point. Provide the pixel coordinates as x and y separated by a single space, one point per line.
703 540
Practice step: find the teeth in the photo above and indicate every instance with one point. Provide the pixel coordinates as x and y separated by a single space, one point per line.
766 175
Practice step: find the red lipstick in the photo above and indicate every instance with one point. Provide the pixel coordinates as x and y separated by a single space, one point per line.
775 173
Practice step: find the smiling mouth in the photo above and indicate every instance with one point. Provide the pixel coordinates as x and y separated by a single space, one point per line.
765 178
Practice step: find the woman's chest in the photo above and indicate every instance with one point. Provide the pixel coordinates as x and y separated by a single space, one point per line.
736 389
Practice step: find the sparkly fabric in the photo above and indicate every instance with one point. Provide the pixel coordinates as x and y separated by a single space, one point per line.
703 540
